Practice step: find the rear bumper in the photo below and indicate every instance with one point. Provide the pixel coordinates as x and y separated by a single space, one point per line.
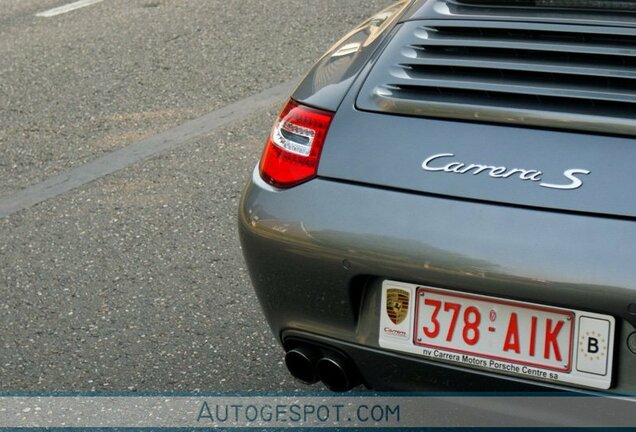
318 253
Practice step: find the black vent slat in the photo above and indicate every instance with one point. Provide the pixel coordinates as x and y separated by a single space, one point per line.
521 45
522 64
473 100
576 5
563 76
505 108
518 82
528 39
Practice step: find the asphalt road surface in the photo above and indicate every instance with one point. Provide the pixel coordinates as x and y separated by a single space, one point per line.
133 280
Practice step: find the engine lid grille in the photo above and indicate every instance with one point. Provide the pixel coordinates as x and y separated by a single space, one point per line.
541 75
619 5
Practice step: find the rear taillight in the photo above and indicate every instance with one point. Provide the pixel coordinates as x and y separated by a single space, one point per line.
293 149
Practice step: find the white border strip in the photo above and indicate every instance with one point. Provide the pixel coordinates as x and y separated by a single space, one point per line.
66 8
321 411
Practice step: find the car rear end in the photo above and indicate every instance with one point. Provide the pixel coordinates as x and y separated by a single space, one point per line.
466 221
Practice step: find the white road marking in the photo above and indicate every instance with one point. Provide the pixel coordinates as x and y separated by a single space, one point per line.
144 149
66 8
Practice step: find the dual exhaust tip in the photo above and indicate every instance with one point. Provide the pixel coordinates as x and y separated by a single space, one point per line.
309 365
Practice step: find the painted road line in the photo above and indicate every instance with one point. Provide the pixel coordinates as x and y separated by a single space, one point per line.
66 8
143 149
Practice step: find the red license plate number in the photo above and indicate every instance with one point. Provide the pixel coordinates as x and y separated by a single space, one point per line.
494 328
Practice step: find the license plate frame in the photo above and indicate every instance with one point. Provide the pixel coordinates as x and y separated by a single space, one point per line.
398 332
489 303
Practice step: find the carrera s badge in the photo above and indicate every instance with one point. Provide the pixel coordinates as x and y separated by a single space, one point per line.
440 163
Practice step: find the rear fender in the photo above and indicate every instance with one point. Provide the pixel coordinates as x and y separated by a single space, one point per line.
328 81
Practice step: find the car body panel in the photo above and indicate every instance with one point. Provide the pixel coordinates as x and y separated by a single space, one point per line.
389 151
317 254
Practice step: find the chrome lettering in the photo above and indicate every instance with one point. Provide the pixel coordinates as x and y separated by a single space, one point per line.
498 172
479 170
570 174
533 175
514 171
427 161
454 167
434 164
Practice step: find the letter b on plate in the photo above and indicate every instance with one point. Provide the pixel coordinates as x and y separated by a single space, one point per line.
593 346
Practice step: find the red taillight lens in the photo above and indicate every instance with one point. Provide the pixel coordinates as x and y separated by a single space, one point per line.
293 149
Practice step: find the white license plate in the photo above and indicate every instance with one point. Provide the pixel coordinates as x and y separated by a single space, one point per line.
512 337
495 329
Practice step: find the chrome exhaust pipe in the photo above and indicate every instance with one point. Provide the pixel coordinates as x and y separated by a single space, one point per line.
336 373
301 363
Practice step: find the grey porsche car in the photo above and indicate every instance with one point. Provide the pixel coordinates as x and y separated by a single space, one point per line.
445 202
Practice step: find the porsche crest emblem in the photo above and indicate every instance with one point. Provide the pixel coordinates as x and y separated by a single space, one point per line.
397 305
